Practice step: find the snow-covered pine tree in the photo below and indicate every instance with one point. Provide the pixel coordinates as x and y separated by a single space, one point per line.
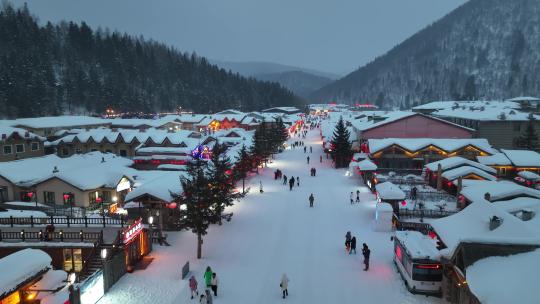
341 147
243 165
221 183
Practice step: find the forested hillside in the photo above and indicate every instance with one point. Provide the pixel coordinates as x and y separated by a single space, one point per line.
52 69
484 49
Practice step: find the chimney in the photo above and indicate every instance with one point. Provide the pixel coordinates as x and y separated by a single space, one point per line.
526 214
487 197
494 222
55 170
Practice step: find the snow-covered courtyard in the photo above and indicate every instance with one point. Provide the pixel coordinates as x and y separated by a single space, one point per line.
277 232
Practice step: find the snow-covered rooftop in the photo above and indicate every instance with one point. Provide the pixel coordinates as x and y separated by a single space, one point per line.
415 144
485 111
59 121
389 191
497 190
497 159
523 158
506 279
84 171
364 165
158 184
21 266
465 171
7 132
456 161
528 175
418 246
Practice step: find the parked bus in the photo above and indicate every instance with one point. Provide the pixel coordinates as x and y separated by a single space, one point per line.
416 257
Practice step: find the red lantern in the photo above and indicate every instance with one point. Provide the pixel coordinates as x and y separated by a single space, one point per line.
432 235
99 200
30 194
403 203
66 197
449 184
172 206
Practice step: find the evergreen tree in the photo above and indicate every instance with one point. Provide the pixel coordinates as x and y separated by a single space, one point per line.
282 134
529 139
198 213
260 149
244 164
221 183
340 145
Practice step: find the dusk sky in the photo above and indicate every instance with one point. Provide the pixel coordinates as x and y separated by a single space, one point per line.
329 35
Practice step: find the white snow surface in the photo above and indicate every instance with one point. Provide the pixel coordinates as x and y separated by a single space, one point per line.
21 266
523 158
456 161
529 175
22 213
418 246
465 171
276 232
506 279
389 191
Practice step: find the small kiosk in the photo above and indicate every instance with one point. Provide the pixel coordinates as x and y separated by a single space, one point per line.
383 218
391 194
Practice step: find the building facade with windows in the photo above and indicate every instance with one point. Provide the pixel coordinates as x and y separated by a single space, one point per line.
17 144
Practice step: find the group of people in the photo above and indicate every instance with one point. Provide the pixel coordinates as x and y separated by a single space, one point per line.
278 174
357 197
313 171
310 149
350 246
292 180
211 282
297 143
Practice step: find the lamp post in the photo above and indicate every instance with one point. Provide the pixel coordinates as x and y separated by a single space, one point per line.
150 222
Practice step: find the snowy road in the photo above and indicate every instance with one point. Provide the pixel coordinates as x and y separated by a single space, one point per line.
277 232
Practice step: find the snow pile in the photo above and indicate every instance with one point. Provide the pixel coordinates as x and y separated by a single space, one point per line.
457 161
506 279
21 266
389 191
22 213
415 144
51 280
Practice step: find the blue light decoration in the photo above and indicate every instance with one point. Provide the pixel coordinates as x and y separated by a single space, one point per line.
201 152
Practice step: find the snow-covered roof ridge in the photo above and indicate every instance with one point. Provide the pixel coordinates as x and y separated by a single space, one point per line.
364 165
414 144
497 190
497 159
456 161
529 175
465 171
19 267
484 111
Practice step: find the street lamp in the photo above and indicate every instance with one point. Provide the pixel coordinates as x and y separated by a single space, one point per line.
150 222
104 253
71 278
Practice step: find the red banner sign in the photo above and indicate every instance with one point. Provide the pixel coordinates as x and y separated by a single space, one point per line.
133 231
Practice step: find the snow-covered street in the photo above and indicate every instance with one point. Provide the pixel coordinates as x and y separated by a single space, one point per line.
276 232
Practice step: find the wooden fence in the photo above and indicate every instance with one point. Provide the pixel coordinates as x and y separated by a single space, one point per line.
424 213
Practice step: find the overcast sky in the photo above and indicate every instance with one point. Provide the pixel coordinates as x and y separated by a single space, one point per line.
330 35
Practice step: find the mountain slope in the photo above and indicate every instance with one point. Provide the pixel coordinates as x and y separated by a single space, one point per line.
299 82
254 68
53 69
483 49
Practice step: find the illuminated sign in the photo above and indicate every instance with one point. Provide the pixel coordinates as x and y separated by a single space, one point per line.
133 231
201 152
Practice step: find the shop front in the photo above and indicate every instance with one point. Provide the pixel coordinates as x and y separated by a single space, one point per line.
137 243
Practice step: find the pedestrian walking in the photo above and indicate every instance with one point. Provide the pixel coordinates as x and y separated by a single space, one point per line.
353 245
320 159
284 284
284 179
304 149
311 200
298 181
193 286
413 193
310 149
214 283
209 299
358 196
260 187
366 252
208 276
314 172
291 183
352 197
308 160
348 239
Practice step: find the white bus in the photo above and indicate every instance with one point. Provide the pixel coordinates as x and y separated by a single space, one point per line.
416 257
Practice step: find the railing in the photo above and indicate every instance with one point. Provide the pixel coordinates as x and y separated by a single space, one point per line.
67 221
420 227
424 213
57 236
432 196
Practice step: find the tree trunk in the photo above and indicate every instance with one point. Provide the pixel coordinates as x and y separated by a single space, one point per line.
199 246
243 185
